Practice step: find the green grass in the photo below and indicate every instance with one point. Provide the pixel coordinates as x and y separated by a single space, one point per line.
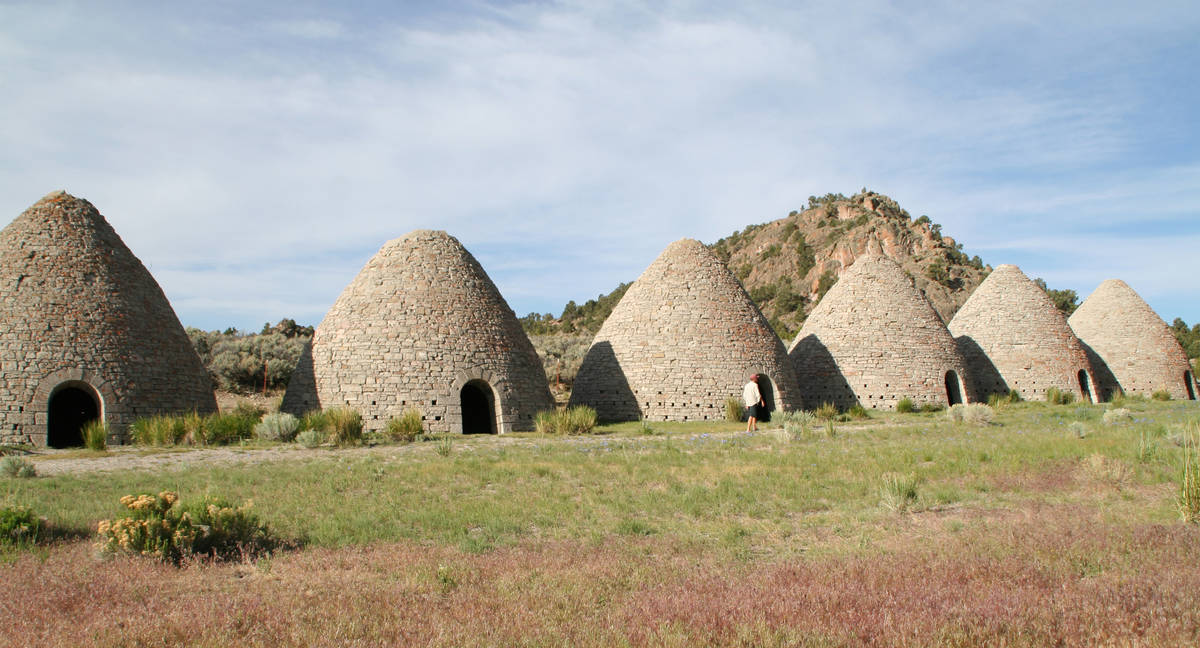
696 483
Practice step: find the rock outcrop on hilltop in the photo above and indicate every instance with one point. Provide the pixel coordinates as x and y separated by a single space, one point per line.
787 264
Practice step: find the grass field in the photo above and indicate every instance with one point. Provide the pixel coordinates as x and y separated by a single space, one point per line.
902 530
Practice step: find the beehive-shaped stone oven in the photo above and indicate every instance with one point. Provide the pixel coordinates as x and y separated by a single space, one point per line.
423 327
1013 338
685 337
1131 347
85 331
874 339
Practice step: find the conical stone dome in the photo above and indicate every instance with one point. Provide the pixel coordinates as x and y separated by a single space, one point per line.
423 327
1014 338
873 340
1133 348
85 331
684 337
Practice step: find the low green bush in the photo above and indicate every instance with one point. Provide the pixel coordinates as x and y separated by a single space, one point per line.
223 429
1161 395
930 408
95 435
310 438
213 528
858 412
905 406
407 428
279 426
13 466
19 526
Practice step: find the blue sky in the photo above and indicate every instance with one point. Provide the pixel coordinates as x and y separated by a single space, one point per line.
255 155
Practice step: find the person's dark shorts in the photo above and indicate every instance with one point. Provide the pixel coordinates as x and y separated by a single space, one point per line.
752 411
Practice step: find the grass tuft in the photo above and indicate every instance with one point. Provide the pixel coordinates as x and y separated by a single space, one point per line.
407 428
733 410
905 406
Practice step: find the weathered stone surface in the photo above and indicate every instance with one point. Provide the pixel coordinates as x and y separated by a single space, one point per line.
685 337
419 322
1013 338
1132 348
78 309
874 339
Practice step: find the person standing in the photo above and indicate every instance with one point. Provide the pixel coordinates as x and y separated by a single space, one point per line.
753 400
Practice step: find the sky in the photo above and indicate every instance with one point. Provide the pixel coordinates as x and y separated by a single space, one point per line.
254 155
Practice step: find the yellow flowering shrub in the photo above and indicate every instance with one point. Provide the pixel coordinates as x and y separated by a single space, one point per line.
156 526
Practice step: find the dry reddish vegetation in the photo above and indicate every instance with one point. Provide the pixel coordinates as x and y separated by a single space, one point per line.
1054 575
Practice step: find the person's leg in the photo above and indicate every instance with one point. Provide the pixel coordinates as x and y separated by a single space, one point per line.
750 424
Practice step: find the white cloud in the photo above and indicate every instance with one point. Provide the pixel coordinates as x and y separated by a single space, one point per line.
567 144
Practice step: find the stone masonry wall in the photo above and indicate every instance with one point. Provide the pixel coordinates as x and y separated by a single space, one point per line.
1135 345
873 340
419 321
1014 338
77 308
685 337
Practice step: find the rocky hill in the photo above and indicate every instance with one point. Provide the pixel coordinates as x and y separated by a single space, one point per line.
787 265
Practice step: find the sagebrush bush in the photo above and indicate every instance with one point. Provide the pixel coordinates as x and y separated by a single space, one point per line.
95 435
278 426
157 527
1117 416
905 406
1078 429
310 438
733 410
19 525
407 428
972 414
798 423
13 466
345 426
826 412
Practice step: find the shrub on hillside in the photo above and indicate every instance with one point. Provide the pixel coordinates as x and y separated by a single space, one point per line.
240 362
155 526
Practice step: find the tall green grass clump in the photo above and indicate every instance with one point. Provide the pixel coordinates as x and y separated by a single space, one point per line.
1056 396
277 426
998 401
345 426
1189 485
19 526
905 406
899 492
407 428
95 435
580 419
826 412
223 429
157 430
1161 395
13 466
733 410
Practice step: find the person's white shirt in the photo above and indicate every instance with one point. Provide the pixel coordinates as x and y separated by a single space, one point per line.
750 394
